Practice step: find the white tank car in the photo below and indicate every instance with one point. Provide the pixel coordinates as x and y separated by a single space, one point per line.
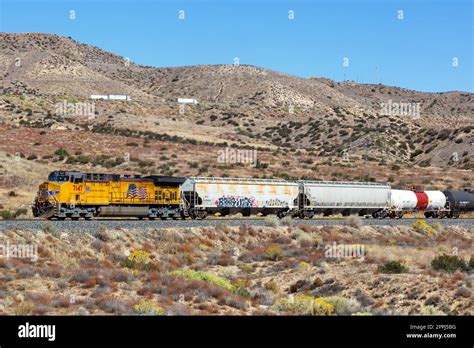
436 200
403 200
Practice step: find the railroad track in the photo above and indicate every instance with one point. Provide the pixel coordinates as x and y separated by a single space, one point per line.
90 225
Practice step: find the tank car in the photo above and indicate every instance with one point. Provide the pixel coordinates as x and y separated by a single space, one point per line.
402 201
459 202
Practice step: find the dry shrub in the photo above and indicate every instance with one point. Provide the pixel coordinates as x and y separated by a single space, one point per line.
24 308
39 298
305 228
234 301
272 221
225 260
304 305
61 302
81 276
51 271
121 276
112 305
353 221
273 252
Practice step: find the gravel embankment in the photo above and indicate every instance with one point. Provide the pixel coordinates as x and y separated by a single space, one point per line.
91 225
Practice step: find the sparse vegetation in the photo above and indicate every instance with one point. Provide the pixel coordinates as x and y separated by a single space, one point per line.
304 305
448 263
393 267
210 278
139 260
354 221
148 308
170 271
62 152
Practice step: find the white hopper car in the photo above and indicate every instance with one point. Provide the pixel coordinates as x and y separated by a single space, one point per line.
203 196
331 197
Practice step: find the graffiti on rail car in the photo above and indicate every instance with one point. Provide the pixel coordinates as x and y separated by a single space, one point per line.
236 202
275 202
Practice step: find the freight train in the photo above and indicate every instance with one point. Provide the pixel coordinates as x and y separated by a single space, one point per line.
74 195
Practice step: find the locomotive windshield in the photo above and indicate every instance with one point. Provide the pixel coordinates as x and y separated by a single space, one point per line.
58 177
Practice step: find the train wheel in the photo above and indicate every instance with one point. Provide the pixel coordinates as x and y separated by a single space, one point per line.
74 218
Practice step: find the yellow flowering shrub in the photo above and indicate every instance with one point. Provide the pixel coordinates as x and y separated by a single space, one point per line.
362 314
422 226
304 305
304 265
148 308
139 260
273 252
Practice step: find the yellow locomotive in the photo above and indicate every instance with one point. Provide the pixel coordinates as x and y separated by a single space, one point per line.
71 194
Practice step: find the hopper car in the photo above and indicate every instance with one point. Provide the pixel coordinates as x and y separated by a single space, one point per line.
239 195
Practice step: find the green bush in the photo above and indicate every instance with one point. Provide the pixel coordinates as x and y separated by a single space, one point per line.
393 267
395 167
62 152
6 215
425 163
449 263
19 212
205 276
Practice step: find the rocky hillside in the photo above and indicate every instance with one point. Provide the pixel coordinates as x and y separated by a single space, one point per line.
299 126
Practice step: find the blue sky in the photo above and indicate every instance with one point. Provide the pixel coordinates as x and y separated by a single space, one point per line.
415 52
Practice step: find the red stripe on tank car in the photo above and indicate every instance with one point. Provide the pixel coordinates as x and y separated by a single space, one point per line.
422 200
